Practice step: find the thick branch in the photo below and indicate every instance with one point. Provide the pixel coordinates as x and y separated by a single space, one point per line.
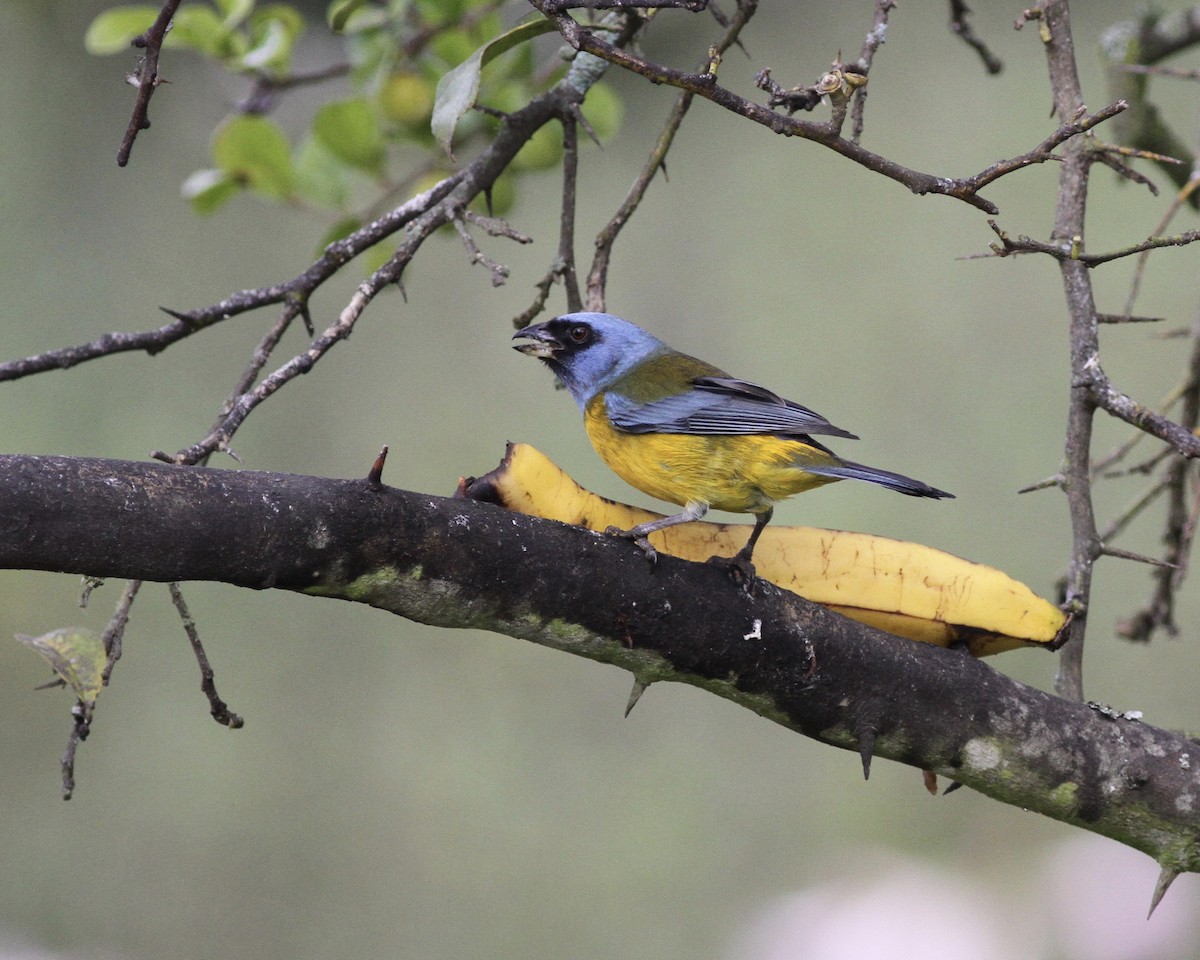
458 563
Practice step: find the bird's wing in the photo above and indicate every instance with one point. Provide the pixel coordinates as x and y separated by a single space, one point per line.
719 406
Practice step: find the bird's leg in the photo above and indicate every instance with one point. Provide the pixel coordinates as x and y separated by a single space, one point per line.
740 566
638 534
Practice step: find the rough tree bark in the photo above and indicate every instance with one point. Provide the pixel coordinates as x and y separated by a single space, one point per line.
457 563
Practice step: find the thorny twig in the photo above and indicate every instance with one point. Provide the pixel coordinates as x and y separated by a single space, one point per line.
146 76
828 133
1071 249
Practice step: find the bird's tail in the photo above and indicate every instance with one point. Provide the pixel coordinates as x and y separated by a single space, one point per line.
846 470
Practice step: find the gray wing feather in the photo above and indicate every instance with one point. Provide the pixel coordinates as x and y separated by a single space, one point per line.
720 406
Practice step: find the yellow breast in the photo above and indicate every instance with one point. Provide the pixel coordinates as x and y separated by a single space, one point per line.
741 474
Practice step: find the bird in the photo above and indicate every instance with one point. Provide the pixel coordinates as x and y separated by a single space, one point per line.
686 432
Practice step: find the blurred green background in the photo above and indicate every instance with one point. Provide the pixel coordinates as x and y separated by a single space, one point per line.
400 791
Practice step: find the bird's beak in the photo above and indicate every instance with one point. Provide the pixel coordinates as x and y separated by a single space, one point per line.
545 345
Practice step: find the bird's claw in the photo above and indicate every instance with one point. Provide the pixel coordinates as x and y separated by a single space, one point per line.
741 570
636 537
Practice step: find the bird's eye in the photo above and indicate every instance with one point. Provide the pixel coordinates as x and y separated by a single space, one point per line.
580 333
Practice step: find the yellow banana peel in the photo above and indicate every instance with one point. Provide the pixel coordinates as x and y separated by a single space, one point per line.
908 589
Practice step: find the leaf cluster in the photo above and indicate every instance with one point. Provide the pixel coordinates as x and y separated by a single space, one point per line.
429 80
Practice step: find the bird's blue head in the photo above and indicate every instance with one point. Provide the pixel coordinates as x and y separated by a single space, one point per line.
589 351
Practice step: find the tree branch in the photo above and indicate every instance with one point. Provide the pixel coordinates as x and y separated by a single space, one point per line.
457 563
146 75
705 85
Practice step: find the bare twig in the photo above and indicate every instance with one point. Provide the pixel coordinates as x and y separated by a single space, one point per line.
217 707
692 6
1072 248
871 44
828 134
1176 73
959 12
1045 150
566 219
598 275
294 293
475 255
1129 50
267 89
114 633
1177 202
81 714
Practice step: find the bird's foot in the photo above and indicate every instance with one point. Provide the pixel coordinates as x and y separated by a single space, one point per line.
637 537
741 570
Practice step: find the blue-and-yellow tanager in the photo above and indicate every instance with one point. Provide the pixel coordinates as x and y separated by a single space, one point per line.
686 432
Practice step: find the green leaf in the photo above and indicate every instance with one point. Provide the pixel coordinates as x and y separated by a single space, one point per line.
200 29
234 12
604 110
112 30
339 12
284 14
320 177
272 49
376 256
349 129
76 654
457 90
208 190
254 151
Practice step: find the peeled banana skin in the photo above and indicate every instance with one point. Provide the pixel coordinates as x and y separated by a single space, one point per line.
907 589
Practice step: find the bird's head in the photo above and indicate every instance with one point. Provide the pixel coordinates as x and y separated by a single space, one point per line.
589 351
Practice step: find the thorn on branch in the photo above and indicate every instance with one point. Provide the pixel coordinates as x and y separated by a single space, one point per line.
865 731
1118 318
1136 557
1165 878
577 113
1055 481
639 687
375 475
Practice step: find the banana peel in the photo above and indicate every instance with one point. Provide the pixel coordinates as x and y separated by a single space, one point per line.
907 589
